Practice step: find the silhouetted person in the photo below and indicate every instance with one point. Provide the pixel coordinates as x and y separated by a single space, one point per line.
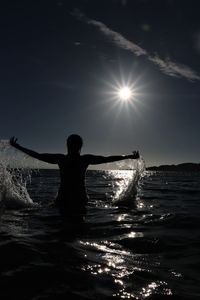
72 196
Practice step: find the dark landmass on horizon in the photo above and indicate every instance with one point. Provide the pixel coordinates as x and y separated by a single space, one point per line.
183 167
191 167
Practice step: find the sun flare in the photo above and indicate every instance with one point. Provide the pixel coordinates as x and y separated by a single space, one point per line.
125 93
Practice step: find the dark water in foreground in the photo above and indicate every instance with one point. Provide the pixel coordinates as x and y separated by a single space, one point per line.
146 247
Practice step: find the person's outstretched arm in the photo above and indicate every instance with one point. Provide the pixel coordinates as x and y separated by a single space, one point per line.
95 159
46 157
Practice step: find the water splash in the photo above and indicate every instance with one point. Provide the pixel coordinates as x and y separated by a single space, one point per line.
14 175
132 164
141 165
126 188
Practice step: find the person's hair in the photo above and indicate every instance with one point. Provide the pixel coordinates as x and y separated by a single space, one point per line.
74 143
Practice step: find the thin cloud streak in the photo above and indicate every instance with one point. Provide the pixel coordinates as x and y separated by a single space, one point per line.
173 69
118 39
166 66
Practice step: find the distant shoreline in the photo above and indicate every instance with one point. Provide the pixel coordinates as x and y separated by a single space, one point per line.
189 167
183 167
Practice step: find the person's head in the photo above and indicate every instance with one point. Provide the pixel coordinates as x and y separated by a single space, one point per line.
74 143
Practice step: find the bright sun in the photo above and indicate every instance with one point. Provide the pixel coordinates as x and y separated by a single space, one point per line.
125 93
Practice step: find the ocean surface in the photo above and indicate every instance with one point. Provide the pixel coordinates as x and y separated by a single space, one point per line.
140 238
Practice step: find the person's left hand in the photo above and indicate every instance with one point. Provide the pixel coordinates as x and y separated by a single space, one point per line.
136 155
13 141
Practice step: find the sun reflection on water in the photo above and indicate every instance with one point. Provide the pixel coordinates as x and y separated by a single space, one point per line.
128 261
153 286
133 234
149 290
122 266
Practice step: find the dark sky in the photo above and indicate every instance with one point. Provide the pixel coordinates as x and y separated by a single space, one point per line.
61 62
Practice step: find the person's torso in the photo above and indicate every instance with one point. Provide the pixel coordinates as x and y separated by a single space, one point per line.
72 191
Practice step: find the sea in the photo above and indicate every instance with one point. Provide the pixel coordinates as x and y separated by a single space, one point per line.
140 237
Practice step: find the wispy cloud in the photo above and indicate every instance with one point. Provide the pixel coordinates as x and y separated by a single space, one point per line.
173 69
166 66
118 39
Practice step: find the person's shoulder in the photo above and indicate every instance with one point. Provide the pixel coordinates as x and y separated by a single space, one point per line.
60 157
86 157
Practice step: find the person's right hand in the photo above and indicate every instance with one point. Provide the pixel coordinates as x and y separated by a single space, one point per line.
13 141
